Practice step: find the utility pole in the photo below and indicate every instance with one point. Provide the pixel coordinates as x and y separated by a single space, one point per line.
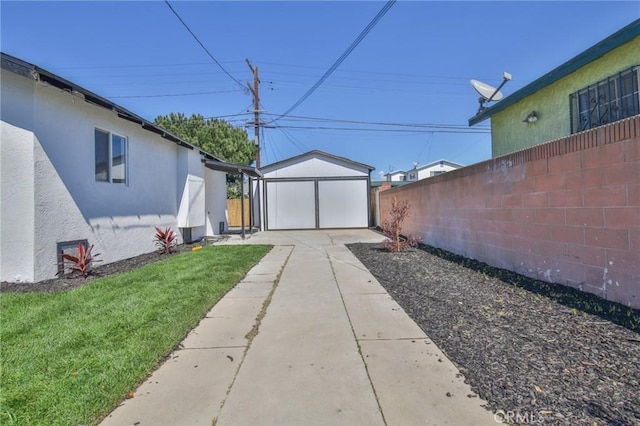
256 110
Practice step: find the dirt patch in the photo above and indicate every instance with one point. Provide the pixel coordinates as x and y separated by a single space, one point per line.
519 347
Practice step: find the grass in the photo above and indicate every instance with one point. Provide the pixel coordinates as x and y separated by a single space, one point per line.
69 358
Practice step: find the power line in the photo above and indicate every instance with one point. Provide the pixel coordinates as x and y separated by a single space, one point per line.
202 45
299 145
427 127
344 55
174 64
416 127
355 129
447 77
381 123
289 136
173 94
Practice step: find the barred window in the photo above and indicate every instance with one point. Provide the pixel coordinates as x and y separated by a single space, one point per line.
606 101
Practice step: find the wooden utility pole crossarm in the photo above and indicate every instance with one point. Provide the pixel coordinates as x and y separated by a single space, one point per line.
256 109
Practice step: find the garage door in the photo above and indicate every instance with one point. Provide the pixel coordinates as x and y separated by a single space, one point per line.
291 205
343 204
313 204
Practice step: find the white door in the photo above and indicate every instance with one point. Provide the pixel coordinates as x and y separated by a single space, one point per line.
291 205
343 204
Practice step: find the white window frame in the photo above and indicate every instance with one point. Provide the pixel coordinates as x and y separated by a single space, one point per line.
110 178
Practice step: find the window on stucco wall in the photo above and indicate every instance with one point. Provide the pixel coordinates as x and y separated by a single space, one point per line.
606 101
111 157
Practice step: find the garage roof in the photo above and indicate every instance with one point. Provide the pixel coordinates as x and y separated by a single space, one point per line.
311 154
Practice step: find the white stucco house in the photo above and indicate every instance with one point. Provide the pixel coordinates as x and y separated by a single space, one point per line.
432 169
422 172
314 190
396 176
75 167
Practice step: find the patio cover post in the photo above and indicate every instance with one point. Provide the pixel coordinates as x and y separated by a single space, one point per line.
250 205
242 202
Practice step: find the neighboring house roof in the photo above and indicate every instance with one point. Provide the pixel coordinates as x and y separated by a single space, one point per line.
312 154
598 50
437 163
395 172
25 69
377 183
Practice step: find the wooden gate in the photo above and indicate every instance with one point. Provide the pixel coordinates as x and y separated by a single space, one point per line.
234 210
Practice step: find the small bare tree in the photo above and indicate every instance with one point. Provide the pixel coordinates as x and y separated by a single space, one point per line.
392 227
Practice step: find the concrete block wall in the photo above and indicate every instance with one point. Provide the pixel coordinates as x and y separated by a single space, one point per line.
567 211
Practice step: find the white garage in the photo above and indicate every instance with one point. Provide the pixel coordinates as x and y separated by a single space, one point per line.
315 190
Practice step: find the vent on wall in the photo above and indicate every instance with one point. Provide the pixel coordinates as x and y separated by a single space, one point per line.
186 235
68 247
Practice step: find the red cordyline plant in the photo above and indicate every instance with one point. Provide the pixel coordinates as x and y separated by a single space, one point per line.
166 240
80 263
392 227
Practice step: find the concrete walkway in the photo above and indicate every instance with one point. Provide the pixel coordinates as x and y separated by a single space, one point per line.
309 337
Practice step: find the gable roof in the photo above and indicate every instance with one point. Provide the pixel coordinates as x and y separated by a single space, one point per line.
596 51
435 163
395 172
311 154
30 71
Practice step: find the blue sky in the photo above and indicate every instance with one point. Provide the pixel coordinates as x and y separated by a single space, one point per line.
413 68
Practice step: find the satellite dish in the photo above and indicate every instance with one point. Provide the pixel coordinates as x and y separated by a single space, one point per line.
486 91
489 93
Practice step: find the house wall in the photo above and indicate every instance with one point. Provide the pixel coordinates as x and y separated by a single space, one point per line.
509 133
426 172
566 212
216 201
16 187
58 168
192 194
397 177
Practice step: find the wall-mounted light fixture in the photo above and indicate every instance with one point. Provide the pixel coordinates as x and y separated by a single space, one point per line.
531 118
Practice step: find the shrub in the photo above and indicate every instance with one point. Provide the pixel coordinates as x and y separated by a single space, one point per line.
392 227
166 240
80 263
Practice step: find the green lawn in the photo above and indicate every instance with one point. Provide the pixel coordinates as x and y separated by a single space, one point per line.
68 358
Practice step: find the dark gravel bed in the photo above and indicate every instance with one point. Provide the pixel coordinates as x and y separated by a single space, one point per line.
538 360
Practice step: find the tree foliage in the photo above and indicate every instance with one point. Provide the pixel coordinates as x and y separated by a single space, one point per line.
215 136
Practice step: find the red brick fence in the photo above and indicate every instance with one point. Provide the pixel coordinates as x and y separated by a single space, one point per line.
567 211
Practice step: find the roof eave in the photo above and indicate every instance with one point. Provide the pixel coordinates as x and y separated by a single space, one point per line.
221 166
596 51
26 69
275 165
